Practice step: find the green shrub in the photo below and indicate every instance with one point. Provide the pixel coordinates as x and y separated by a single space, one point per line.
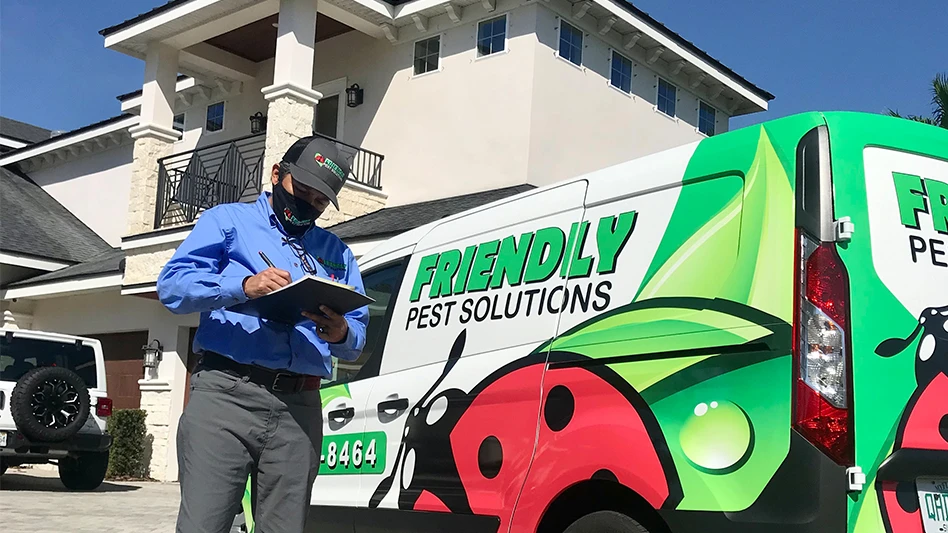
127 455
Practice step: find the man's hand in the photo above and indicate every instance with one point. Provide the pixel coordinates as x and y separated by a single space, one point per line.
266 282
332 327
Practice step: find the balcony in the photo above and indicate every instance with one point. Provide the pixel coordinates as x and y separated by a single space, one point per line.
232 171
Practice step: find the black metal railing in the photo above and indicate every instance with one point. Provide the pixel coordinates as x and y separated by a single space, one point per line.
365 166
191 182
232 171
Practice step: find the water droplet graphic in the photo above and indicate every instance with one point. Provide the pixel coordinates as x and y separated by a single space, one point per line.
719 439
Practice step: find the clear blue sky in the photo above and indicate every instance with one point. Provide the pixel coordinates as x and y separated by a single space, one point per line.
860 55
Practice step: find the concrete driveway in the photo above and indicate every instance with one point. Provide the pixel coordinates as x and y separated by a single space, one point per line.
34 500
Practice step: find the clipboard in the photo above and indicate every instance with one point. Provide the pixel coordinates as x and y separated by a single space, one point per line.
305 294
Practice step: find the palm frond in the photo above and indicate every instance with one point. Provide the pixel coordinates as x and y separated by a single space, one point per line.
940 100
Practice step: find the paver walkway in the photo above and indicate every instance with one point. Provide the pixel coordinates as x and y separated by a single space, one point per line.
34 501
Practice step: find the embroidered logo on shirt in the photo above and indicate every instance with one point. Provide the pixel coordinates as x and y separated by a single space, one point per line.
331 264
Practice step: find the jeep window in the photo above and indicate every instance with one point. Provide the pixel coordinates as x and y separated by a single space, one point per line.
380 284
19 355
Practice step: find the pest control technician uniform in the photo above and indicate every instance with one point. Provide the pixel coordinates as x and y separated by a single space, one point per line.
254 405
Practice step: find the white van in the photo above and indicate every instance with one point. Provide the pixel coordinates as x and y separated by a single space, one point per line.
746 333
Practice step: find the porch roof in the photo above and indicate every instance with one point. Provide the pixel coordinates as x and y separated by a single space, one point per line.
35 224
398 219
110 262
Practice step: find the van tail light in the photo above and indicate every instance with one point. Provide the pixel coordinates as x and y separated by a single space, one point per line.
103 407
821 350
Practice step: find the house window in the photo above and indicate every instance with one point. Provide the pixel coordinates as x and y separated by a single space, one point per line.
667 96
492 36
706 119
621 72
427 55
571 43
178 122
215 117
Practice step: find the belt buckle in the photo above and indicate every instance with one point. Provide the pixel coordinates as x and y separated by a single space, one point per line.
276 380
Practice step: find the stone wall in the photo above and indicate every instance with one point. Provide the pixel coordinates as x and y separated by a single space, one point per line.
288 120
142 265
157 403
143 189
355 200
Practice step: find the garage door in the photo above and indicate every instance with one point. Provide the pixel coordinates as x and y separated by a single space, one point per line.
123 366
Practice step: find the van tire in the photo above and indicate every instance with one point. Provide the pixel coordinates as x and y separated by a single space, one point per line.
85 472
606 522
54 384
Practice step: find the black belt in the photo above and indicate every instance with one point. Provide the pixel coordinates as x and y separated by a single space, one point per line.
275 380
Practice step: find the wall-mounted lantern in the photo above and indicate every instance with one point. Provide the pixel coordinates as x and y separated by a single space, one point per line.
258 122
354 95
152 354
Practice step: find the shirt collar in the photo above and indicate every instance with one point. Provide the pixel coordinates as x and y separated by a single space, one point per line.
265 209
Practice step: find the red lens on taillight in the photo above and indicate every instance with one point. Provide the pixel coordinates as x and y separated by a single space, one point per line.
821 349
103 407
827 284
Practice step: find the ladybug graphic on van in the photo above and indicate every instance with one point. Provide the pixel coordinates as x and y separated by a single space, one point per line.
460 453
924 424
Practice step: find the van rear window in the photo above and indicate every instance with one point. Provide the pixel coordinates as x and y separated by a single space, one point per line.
19 355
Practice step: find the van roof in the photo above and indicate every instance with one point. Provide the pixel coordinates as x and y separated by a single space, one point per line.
410 238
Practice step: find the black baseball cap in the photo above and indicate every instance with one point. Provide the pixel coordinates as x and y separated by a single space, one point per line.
317 162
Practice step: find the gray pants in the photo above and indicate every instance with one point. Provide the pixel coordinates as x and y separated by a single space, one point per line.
232 428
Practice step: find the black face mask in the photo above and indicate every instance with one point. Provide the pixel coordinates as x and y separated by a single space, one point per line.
295 214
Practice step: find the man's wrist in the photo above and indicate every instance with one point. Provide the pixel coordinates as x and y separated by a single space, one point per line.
232 289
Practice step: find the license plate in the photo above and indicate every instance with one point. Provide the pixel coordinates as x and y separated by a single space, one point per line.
3 438
933 504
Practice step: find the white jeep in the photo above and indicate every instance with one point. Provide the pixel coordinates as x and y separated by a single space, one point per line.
53 405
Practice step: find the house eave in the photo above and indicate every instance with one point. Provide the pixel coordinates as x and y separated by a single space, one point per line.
71 145
64 287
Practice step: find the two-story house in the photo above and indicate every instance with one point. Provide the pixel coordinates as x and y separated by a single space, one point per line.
442 104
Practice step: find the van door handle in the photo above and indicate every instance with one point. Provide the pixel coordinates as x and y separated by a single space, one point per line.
342 413
399 404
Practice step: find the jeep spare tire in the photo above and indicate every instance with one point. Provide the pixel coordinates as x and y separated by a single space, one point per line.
50 404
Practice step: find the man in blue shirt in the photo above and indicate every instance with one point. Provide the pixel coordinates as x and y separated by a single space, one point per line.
254 406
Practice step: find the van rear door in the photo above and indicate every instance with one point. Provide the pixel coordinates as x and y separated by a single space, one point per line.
890 177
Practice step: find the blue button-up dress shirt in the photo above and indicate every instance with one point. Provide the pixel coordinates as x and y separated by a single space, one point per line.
206 275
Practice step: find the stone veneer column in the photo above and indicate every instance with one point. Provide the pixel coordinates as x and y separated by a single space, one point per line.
291 98
288 118
143 187
162 397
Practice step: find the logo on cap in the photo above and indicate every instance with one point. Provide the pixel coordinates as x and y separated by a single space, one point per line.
324 161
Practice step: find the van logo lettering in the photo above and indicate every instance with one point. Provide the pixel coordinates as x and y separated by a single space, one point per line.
917 196
522 260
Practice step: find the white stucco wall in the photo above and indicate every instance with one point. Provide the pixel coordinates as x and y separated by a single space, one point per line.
461 129
523 116
95 188
580 123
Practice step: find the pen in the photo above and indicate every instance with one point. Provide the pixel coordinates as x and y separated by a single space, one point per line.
266 259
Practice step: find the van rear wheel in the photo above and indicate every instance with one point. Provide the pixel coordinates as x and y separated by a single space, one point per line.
606 522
